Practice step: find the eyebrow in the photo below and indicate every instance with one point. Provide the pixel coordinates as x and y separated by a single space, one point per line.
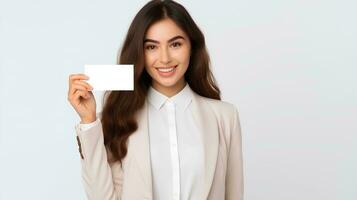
170 40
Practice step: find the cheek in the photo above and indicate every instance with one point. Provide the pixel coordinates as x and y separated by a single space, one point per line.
185 53
183 56
149 61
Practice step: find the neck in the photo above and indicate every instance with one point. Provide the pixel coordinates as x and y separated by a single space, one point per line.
169 91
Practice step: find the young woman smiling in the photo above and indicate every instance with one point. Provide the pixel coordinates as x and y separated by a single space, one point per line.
172 137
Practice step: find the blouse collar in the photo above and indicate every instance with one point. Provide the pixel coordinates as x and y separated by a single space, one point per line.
181 100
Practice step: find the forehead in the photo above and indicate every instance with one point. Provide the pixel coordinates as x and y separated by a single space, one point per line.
164 30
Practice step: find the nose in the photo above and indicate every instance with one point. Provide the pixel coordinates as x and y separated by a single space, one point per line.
165 56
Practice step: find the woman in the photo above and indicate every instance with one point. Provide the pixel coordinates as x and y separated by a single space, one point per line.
170 138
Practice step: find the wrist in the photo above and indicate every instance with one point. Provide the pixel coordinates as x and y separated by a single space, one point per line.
88 120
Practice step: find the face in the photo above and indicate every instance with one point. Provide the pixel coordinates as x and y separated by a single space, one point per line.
167 55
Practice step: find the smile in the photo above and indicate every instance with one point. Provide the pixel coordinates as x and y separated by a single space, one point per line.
166 71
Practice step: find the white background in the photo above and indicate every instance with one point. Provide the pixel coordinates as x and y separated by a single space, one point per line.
289 66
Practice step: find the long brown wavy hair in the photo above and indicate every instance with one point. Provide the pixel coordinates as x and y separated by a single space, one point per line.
118 116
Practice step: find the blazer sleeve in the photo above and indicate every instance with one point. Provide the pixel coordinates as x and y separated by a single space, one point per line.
234 176
101 180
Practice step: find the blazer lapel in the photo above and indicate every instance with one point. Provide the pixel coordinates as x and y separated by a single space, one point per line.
140 149
206 122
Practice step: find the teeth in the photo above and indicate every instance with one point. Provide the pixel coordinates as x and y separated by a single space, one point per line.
166 70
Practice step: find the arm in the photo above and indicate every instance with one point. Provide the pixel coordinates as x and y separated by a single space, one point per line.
101 180
234 176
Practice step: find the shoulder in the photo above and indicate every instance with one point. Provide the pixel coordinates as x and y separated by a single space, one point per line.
221 108
227 117
220 105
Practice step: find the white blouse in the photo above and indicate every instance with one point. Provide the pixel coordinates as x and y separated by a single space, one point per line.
176 146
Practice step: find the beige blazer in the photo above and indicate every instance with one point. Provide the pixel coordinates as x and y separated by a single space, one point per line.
223 175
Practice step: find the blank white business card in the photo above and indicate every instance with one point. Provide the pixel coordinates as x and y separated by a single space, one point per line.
110 77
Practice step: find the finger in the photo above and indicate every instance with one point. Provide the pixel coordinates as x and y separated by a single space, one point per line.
76 87
79 82
83 83
73 77
74 97
80 93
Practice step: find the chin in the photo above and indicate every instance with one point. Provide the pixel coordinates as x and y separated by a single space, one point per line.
167 84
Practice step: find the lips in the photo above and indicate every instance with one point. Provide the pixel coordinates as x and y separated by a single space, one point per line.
166 71
166 67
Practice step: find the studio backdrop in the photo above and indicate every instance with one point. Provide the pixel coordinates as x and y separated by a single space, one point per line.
289 66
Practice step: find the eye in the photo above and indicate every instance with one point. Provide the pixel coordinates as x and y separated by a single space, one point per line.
176 44
150 47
